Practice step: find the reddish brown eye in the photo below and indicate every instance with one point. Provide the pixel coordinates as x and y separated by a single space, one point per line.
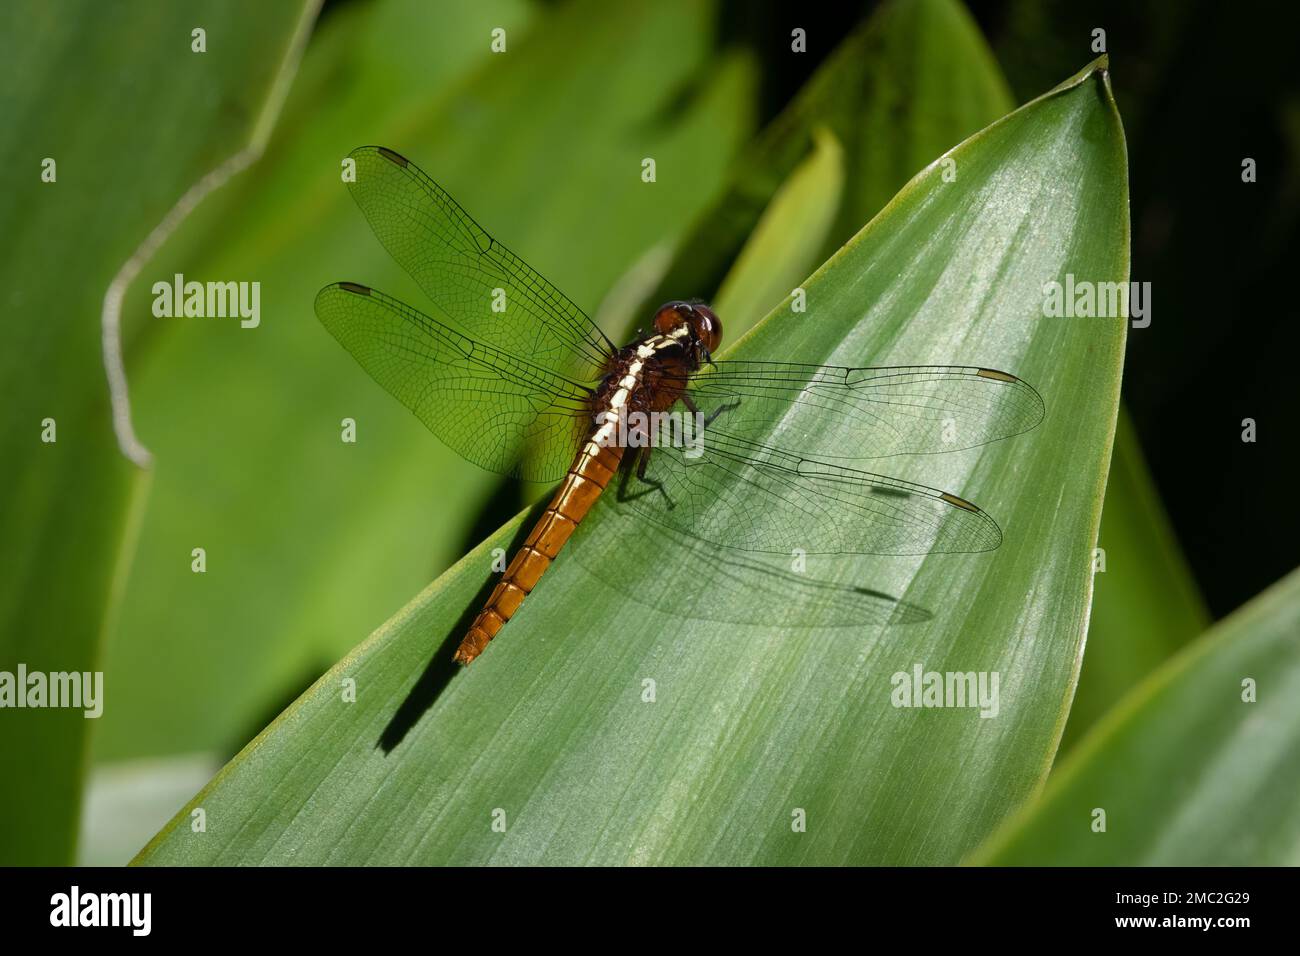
708 328
705 325
670 316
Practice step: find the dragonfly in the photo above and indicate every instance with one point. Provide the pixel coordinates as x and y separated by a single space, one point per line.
517 379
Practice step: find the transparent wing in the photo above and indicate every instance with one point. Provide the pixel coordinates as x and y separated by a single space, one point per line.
460 267
712 584
832 412
751 497
497 411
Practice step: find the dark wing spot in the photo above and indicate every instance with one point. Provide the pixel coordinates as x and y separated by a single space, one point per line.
958 502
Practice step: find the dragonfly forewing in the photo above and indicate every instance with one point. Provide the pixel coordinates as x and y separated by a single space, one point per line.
833 412
481 285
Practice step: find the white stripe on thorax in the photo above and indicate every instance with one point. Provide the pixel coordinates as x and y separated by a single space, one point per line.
628 383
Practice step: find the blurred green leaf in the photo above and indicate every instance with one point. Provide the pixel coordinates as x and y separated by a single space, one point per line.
912 81
1145 606
786 241
132 118
752 723
312 542
1188 772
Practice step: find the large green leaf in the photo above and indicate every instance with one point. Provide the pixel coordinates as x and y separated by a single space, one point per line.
1198 766
132 118
914 79
312 542
552 730
911 81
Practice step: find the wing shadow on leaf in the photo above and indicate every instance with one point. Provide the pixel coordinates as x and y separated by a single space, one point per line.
726 585
703 583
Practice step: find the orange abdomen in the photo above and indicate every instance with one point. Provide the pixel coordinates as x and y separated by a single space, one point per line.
592 471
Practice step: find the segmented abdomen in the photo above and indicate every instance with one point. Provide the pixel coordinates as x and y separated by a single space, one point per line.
592 471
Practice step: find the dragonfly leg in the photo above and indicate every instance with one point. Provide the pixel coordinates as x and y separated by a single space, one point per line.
652 484
711 418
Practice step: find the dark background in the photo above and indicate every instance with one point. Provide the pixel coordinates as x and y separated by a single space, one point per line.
1200 86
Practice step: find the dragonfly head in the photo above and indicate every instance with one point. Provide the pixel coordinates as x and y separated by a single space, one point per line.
705 327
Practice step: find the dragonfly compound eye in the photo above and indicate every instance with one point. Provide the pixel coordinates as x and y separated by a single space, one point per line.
705 326
671 315
708 327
